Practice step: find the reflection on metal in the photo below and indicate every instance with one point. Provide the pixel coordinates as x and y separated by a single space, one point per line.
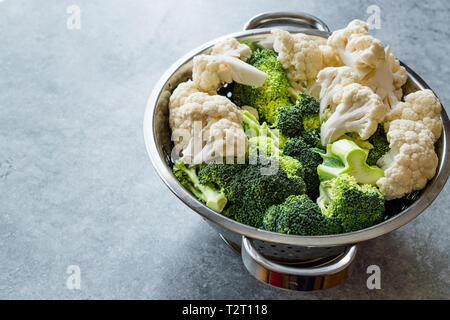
288 20
309 275
319 274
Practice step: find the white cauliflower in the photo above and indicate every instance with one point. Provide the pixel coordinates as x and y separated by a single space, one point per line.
411 160
180 94
330 81
330 56
210 127
375 65
412 126
302 56
210 72
223 139
387 79
356 109
233 48
422 106
205 125
356 48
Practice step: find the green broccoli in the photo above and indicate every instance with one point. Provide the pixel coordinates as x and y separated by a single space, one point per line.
267 147
380 146
274 93
364 144
253 128
214 198
248 190
354 206
218 175
344 156
310 160
301 120
299 215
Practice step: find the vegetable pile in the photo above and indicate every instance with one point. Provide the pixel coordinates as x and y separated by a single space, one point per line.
308 137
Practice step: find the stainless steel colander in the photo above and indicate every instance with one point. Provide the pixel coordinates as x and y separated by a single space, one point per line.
286 261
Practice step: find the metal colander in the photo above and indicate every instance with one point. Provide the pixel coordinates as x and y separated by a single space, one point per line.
286 261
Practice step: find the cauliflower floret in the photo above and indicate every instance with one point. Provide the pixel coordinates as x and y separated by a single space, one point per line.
422 106
205 125
387 79
209 72
399 73
210 126
356 48
330 56
201 106
302 56
330 81
233 48
180 94
224 139
375 65
411 160
357 109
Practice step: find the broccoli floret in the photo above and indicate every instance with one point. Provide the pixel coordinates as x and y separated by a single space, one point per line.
299 215
214 198
301 120
344 156
253 128
271 109
312 138
380 146
251 193
310 160
218 175
354 206
274 93
248 190
268 148
311 112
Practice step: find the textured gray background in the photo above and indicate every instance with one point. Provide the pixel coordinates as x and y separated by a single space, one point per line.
77 187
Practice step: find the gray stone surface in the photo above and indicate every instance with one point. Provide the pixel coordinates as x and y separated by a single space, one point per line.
77 187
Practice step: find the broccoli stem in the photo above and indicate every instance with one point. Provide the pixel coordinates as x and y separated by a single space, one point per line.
325 197
214 199
353 162
250 124
253 129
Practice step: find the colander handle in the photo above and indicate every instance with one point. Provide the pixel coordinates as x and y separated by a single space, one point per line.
297 20
300 279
